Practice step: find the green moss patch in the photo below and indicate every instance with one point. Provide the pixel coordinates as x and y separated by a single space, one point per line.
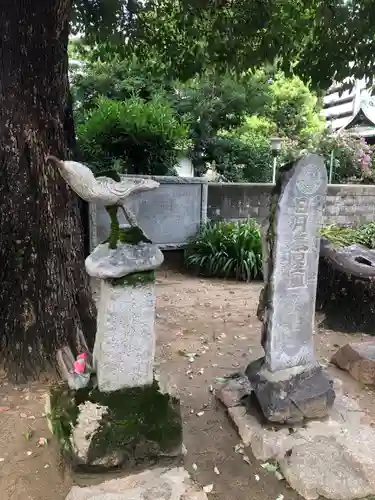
129 235
63 414
135 279
141 425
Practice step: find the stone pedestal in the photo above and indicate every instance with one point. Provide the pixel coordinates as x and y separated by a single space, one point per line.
125 428
291 395
288 383
125 339
124 348
122 418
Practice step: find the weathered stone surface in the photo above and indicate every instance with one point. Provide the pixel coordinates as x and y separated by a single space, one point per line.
98 430
124 348
357 358
106 263
347 276
155 484
332 457
288 383
89 420
292 245
233 392
291 395
340 465
243 423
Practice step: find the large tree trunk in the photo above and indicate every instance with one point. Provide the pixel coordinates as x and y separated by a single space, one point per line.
45 298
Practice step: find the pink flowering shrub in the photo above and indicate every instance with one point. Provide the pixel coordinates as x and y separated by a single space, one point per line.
353 158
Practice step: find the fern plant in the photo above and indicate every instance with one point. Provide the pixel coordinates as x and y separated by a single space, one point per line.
227 250
346 236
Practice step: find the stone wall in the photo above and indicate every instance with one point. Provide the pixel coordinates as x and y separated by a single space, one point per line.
172 214
169 215
348 204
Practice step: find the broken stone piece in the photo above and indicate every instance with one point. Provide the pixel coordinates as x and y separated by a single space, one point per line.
234 391
335 465
357 358
160 483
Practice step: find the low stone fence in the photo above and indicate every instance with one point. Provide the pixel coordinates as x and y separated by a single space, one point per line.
346 204
172 214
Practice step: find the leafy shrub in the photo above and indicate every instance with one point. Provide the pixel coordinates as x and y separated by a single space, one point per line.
246 158
345 236
140 137
227 250
116 79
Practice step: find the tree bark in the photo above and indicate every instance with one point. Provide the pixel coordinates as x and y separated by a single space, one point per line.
45 298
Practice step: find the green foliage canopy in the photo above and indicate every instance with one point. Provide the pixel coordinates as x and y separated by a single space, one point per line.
317 39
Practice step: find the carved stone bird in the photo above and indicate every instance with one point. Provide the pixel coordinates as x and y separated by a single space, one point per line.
101 190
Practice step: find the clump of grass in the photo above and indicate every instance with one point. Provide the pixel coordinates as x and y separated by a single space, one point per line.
346 236
226 250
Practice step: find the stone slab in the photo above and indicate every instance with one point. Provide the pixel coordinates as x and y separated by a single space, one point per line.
155 484
332 457
169 215
357 358
107 263
292 254
292 395
338 465
124 347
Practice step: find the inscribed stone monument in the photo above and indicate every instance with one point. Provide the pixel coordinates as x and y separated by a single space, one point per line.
288 382
113 411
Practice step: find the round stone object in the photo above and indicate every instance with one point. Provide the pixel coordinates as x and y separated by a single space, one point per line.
109 263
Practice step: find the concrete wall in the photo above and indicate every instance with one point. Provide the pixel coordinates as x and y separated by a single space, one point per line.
351 204
172 214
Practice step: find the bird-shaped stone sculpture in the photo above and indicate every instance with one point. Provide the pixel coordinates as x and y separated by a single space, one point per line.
101 190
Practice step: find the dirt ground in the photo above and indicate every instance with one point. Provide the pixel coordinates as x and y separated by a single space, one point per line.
217 321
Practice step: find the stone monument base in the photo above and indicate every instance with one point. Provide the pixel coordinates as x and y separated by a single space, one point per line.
103 430
292 395
331 457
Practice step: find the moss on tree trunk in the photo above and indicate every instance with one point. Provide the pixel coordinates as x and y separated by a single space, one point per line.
44 295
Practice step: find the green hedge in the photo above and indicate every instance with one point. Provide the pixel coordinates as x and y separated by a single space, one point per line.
135 136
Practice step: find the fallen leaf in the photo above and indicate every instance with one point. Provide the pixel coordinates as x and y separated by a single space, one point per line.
279 476
239 448
269 467
209 488
221 380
